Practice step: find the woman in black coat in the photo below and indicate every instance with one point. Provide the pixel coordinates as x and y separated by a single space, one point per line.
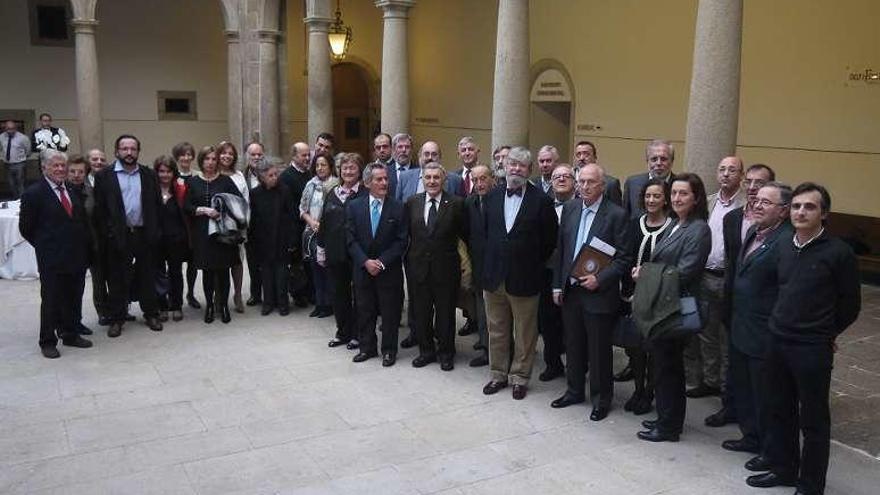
271 235
332 252
174 246
212 257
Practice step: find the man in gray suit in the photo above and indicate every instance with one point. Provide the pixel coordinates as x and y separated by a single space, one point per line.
585 152
659 155
411 182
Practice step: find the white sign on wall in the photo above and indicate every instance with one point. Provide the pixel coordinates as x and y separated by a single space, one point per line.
551 85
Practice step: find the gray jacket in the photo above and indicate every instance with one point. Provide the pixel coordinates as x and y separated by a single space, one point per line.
231 226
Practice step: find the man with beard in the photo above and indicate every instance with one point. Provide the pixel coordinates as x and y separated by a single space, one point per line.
382 148
401 145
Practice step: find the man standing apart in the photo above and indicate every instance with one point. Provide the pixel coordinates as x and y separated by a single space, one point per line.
54 221
819 297
14 149
520 237
127 203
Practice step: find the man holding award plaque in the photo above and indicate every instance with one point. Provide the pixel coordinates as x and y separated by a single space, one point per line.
593 253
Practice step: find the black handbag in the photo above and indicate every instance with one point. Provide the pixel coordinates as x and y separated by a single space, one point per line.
625 333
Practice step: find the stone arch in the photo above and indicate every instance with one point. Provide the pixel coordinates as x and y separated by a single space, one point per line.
550 114
371 79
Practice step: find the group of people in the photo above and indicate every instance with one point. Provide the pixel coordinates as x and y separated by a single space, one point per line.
742 291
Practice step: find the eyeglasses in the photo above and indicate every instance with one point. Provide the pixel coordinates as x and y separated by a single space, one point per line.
754 182
562 177
766 203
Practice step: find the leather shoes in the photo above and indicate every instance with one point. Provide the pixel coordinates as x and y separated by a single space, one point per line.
50 352
209 313
719 419
154 324
408 342
479 361
769 480
649 424
467 329
625 375
551 372
702 390
423 360
284 310
77 342
758 464
253 301
104 321
446 365
493 387
599 413
336 342
565 401
352 344
388 359
643 406
225 317
315 312
115 330
265 310
656 436
519 392
193 302
83 330
363 356
740 446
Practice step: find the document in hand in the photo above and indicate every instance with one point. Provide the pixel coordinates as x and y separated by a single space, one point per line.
592 258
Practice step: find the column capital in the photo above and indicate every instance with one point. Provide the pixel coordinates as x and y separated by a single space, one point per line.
84 26
232 36
317 23
268 35
398 9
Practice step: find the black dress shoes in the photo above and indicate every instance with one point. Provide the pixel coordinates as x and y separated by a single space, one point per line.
325 312
352 344
225 317
209 313
702 390
769 480
408 342
336 342
625 375
50 352
467 329
724 416
446 364
493 387
479 361
83 330
565 401
300 301
643 406
284 310
649 424
656 436
388 359
423 360
193 302
115 330
253 301
519 392
315 312
740 446
363 356
154 324
77 342
551 373
758 464
103 321
599 413
266 309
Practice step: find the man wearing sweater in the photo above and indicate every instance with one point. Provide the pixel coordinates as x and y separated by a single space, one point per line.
819 297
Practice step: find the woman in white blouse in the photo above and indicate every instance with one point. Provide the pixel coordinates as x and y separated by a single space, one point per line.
310 207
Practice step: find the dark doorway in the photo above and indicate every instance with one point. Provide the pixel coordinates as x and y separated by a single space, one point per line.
351 109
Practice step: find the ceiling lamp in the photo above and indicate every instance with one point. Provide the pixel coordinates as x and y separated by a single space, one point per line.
339 36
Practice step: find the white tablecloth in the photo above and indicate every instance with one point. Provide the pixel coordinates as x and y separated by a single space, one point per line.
18 260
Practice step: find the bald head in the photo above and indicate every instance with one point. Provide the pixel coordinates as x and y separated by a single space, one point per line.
429 152
300 154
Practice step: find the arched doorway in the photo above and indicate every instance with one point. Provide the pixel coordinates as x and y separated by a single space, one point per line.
351 108
551 110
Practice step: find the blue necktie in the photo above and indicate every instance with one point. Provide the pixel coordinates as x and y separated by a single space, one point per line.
374 216
582 231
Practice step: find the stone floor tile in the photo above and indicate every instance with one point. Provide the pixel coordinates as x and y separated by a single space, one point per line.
459 468
164 393
385 481
185 448
296 427
71 469
164 481
48 411
32 442
104 379
17 391
267 379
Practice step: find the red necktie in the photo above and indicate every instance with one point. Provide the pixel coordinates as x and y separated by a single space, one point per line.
467 182
65 201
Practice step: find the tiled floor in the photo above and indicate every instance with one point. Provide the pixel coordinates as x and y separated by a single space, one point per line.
263 406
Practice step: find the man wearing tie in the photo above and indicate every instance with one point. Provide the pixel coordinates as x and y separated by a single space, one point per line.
14 149
54 221
468 154
484 182
548 158
436 223
401 146
590 305
520 237
376 237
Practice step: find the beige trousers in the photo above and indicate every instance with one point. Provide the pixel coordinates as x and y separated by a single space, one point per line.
511 318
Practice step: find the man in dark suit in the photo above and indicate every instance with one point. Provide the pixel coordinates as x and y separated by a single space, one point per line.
590 304
520 237
586 152
127 203
660 156
401 149
53 220
377 236
484 182
295 177
77 169
469 156
436 222
755 288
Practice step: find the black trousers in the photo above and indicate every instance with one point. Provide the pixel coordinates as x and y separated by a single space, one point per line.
100 292
550 324
255 271
799 375
669 383
191 273
587 347
641 363
132 271
58 301
344 307
215 283
749 376
273 277
171 263
433 302
78 302
383 297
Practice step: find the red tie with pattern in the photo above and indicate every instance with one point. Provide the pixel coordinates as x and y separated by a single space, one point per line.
65 201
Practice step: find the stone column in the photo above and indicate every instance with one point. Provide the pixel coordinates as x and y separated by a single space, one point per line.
713 109
88 92
510 100
320 84
269 102
234 97
395 66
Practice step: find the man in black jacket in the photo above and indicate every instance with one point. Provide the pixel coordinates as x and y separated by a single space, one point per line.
819 297
484 182
521 230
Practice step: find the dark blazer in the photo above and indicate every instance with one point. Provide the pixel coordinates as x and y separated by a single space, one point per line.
433 256
686 248
517 259
270 231
409 184
612 190
110 211
755 287
476 239
732 232
388 245
610 225
633 188
331 235
391 167
61 242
